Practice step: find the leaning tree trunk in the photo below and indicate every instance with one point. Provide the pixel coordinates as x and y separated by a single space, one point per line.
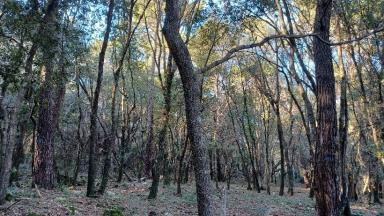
327 188
191 85
91 191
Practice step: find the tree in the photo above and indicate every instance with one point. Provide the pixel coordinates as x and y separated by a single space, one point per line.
191 80
327 188
95 105
50 101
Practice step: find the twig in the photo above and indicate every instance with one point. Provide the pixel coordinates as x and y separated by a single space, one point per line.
10 206
38 192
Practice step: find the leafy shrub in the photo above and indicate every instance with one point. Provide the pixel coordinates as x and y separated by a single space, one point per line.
115 211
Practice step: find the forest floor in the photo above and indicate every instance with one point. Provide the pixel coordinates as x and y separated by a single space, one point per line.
131 199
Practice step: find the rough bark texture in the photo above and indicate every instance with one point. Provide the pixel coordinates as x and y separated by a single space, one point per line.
8 127
191 85
343 131
95 105
8 137
50 101
51 98
180 167
327 188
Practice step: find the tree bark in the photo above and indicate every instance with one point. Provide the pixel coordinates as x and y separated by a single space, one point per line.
162 157
343 130
50 102
91 192
150 148
327 188
191 85
8 138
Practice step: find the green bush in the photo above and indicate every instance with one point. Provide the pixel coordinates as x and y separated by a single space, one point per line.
72 210
115 211
8 197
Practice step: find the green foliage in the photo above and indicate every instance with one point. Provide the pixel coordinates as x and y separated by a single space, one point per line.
33 214
114 211
14 175
72 210
8 197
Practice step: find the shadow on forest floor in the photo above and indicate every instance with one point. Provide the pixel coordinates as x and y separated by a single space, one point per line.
131 199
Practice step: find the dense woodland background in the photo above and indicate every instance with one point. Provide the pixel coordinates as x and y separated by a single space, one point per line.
267 96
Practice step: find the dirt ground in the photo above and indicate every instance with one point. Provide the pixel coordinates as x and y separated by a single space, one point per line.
131 199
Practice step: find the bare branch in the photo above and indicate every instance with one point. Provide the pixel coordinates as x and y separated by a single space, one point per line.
234 50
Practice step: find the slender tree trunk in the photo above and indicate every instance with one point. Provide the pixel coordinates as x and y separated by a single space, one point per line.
289 162
111 140
266 124
249 146
162 158
240 149
125 136
149 149
192 81
310 126
180 167
92 170
80 143
18 153
343 130
280 134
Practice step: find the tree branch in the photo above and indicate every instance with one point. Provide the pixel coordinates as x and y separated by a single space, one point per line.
239 48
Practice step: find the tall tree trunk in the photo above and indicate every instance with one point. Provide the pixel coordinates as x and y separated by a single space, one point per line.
250 145
327 188
150 148
282 145
18 153
191 80
111 140
80 142
8 117
51 98
162 157
8 137
288 159
266 127
309 126
50 102
240 149
91 192
343 130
